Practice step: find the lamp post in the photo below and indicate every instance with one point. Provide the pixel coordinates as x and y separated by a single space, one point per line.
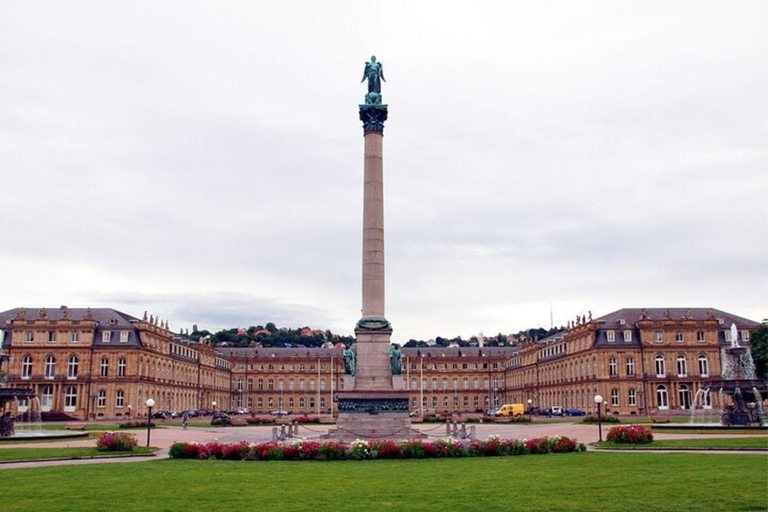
213 404
599 401
530 410
129 411
150 405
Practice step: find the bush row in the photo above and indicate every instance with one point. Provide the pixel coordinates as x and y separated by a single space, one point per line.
592 418
368 450
632 434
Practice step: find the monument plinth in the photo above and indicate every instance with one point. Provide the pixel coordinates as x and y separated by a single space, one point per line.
372 406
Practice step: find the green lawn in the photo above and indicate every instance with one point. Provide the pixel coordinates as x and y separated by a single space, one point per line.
719 443
579 482
9 454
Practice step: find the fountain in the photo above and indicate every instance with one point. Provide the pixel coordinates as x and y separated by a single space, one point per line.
738 372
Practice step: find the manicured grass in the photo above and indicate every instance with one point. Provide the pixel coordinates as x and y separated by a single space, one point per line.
718 443
576 481
9 454
91 435
708 431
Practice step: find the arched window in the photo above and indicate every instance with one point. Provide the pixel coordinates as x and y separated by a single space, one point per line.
46 400
121 367
662 397
322 384
26 367
684 395
311 385
271 384
72 365
240 384
102 399
475 383
661 367
413 384
445 383
434 384
434 402
50 367
104 367
290 384
682 366
703 366
70 398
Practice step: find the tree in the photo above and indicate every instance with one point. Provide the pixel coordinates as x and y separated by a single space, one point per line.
759 349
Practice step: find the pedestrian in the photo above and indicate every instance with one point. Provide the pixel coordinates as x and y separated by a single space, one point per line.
184 420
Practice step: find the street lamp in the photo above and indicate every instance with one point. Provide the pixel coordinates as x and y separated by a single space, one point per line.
129 411
150 405
214 406
599 401
530 410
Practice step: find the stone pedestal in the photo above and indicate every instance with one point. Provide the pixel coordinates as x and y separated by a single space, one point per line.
371 415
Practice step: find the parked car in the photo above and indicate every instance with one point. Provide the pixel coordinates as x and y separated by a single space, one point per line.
279 412
557 410
575 412
161 415
221 418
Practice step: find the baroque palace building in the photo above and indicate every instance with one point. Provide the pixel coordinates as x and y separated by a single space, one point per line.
102 363
639 360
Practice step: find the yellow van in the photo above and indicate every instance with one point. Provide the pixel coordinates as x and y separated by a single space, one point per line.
510 410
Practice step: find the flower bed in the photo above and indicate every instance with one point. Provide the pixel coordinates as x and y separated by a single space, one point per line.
369 450
116 442
633 434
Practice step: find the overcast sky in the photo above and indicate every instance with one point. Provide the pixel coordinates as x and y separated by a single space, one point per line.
203 160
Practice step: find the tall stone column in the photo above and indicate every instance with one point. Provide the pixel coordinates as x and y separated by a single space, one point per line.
373 404
373 332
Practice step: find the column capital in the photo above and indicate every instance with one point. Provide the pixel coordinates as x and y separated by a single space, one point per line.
373 117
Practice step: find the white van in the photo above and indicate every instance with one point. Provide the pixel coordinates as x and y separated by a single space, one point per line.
557 410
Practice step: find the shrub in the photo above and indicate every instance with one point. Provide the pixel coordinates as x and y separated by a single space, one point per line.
307 419
331 451
634 434
603 419
116 442
135 424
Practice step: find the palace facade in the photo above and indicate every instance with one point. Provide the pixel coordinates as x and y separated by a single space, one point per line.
102 363
638 360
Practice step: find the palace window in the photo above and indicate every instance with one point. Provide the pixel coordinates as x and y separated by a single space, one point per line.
271 384
301 385
455 402
485 383
434 384
72 365
302 402
613 369
29 336
475 383
434 402
614 397
250 384
51 336
311 384
627 336
661 368
270 402
121 367
632 398
477 401
74 337
703 366
466 383
727 336
322 384
104 367
745 336
124 336
682 366
50 367
455 383
680 336
260 384
46 401
119 398
445 383
240 384
662 397
630 367
291 402
445 401
466 401
610 336
311 402
101 401
70 398
659 337
413 384
26 367
106 336
701 336
423 383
